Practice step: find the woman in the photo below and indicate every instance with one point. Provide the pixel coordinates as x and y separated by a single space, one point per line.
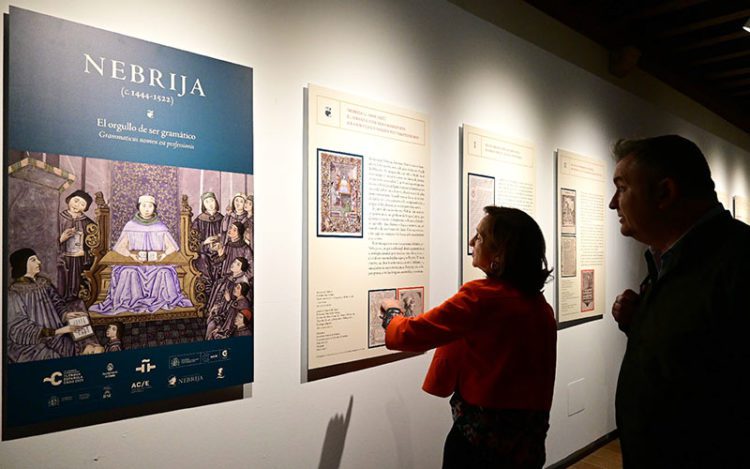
145 286
496 342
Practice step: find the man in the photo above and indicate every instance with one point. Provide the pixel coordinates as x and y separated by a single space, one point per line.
682 393
75 255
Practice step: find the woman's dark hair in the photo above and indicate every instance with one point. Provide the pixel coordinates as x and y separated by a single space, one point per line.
244 264
519 240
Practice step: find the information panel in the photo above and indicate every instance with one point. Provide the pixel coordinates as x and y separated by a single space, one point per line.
368 218
581 204
742 208
495 171
128 247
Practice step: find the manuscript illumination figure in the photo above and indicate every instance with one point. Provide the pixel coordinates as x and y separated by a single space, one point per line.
144 288
208 223
37 315
75 256
235 213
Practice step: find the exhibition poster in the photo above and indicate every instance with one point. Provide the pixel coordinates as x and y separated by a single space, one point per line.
581 205
742 209
498 171
128 222
368 168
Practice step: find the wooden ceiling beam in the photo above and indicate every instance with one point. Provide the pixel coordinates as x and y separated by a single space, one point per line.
735 84
720 58
656 10
713 41
729 73
698 25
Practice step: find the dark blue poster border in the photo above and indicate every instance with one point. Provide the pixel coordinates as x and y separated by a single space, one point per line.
87 110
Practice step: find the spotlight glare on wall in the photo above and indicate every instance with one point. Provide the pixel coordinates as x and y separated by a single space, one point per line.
747 25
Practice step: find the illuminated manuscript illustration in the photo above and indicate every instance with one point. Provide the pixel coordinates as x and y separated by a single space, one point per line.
339 194
568 211
376 332
412 300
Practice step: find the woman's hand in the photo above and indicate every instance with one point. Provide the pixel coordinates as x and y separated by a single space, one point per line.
389 304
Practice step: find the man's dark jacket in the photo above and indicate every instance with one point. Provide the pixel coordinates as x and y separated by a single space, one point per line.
683 395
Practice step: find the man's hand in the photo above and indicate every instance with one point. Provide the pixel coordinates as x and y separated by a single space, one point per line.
67 234
626 304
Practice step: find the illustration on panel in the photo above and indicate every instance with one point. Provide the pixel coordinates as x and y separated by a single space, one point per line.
411 301
568 256
107 256
481 191
587 290
376 333
568 211
339 194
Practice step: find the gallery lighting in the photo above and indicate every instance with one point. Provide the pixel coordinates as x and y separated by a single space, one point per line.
747 25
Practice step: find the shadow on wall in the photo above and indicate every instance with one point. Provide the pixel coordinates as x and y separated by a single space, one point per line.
333 445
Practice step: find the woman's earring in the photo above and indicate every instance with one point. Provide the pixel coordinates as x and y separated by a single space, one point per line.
495 267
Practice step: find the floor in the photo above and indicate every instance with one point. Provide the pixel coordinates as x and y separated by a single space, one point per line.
608 456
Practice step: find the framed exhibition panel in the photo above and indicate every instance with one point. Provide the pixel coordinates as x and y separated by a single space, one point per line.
581 202
367 238
741 208
128 226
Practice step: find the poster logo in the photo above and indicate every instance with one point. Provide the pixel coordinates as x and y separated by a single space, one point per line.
145 366
55 379
220 373
110 372
140 386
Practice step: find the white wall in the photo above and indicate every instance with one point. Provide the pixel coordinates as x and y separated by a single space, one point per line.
429 56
